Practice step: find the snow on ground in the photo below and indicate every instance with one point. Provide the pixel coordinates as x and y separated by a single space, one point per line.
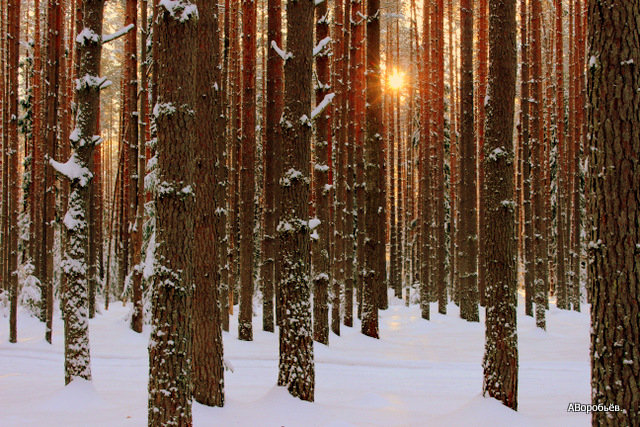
420 373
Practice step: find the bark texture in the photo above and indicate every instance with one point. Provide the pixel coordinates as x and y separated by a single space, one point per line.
614 208
175 46
500 361
296 366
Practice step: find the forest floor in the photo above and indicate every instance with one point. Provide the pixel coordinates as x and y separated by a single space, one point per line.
420 373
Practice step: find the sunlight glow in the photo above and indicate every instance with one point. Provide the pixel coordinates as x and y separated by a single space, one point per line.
396 80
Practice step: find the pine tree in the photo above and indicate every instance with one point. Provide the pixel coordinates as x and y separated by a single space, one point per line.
206 334
11 161
320 245
614 208
296 366
174 53
467 237
537 184
247 172
78 171
374 211
500 362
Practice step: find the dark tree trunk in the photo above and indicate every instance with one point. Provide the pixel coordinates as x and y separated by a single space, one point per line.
247 172
614 208
320 234
206 334
174 52
467 234
374 209
296 366
501 345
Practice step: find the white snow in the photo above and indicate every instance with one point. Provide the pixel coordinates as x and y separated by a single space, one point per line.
182 10
87 34
420 373
321 45
121 32
592 61
323 104
73 170
281 53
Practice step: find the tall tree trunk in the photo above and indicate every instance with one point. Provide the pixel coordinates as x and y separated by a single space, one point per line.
374 209
206 334
174 52
423 213
247 164
561 216
540 244
78 171
467 241
439 214
272 145
614 208
320 234
11 160
296 366
526 160
480 131
500 361
54 24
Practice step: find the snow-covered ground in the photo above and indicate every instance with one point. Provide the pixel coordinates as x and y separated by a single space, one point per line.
420 373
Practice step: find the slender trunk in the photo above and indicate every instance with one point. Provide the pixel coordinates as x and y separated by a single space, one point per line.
247 173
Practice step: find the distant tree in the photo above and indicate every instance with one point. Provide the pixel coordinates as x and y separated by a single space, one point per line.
11 160
614 208
247 172
174 52
296 366
500 362
537 173
272 149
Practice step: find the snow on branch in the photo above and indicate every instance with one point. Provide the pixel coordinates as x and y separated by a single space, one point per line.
73 170
92 82
321 45
281 53
321 107
181 10
87 35
106 38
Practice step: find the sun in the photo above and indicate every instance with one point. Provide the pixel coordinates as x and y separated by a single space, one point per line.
396 80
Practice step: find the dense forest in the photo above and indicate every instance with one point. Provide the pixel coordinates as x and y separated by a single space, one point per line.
301 167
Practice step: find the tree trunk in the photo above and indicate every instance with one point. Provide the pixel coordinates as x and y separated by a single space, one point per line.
467 241
206 334
374 209
174 51
320 234
247 164
500 363
614 208
296 366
